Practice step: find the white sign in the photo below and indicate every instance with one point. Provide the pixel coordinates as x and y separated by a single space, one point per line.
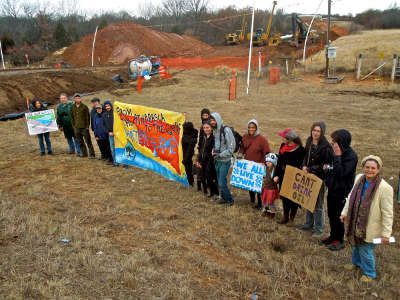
248 175
41 121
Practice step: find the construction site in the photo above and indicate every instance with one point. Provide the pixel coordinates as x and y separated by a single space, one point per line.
74 228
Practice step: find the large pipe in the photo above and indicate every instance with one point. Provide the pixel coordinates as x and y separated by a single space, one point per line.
94 41
2 57
308 31
251 46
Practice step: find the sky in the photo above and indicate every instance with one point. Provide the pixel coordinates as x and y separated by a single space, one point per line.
342 7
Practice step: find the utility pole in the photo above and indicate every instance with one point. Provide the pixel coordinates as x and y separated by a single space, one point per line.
327 37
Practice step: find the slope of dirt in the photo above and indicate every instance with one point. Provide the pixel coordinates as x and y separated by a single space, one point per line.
117 43
14 89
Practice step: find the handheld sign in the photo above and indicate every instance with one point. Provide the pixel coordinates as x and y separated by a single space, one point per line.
41 121
300 187
247 175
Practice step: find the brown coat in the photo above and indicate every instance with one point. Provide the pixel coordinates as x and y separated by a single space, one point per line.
268 182
254 148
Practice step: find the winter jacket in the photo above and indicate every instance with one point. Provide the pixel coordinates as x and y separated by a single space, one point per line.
268 182
64 119
224 143
206 144
189 141
293 158
98 127
316 156
380 218
80 117
340 178
255 147
108 118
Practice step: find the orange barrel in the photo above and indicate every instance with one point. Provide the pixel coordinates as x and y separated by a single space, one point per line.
274 75
162 72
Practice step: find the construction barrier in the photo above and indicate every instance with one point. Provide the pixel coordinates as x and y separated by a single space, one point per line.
274 76
164 74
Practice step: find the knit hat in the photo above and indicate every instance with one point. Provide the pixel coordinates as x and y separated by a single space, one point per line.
372 157
291 135
271 157
205 111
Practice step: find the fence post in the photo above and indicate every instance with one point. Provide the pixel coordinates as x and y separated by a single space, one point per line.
394 67
359 66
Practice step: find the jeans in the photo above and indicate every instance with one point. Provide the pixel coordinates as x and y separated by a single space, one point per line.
46 137
318 217
73 144
222 169
363 257
112 148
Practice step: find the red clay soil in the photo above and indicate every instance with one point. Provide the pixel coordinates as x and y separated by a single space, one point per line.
117 43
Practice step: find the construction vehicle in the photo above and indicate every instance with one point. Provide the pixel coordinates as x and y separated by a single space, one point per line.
260 38
238 36
143 66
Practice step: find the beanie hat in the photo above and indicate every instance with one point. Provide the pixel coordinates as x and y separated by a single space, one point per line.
271 157
205 111
372 157
291 135
321 124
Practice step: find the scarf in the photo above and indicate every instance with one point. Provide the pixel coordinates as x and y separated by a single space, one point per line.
357 215
287 148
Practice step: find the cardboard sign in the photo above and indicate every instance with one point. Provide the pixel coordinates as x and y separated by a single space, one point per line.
41 121
247 175
300 187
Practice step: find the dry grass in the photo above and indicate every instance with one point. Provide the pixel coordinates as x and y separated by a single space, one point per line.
369 43
162 241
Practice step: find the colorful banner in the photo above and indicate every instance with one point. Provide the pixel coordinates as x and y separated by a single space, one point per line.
150 138
247 175
41 121
300 187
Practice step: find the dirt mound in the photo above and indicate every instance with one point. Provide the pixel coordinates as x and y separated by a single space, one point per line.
117 43
47 86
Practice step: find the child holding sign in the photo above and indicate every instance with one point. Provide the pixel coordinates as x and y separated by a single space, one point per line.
270 190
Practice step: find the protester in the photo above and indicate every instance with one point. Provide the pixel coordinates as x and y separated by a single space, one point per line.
340 179
291 153
80 119
65 125
93 112
205 116
101 134
189 140
205 161
368 214
270 190
318 153
108 122
254 148
224 147
37 105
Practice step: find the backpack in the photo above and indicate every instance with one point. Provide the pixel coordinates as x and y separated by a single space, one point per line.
236 135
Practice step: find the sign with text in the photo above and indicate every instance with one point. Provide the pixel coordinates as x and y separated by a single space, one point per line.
41 121
247 175
150 138
300 187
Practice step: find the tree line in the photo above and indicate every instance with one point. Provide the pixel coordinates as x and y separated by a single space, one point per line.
39 28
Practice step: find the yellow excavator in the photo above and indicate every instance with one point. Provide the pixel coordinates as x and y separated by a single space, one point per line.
260 38
238 36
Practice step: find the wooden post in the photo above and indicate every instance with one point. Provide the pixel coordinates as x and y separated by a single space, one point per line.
232 88
359 66
394 67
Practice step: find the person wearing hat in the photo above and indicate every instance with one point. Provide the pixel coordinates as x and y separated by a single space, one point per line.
95 101
339 180
64 123
80 120
291 153
367 215
101 134
202 182
270 190
254 147
318 152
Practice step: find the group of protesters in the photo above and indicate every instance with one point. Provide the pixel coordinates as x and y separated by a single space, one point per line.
359 207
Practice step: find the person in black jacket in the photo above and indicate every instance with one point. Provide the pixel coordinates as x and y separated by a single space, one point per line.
205 161
205 116
318 153
189 141
340 180
37 105
291 153
108 122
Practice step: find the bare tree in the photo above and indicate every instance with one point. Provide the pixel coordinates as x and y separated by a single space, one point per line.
197 7
146 9
10 8
175 8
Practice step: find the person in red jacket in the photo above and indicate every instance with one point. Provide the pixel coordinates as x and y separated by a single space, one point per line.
254 147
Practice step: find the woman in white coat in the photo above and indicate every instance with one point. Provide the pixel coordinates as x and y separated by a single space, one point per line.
368 214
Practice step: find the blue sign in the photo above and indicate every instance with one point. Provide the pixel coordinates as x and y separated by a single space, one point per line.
248 175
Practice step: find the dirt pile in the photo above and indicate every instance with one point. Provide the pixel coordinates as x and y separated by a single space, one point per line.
117 43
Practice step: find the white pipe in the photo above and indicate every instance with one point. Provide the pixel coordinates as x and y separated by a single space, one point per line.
308 31
2 57
251 46
94 41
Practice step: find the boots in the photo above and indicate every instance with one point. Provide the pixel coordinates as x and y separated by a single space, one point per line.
198 185
293 213
284 220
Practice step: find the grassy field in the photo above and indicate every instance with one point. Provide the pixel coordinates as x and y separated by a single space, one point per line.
154 239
